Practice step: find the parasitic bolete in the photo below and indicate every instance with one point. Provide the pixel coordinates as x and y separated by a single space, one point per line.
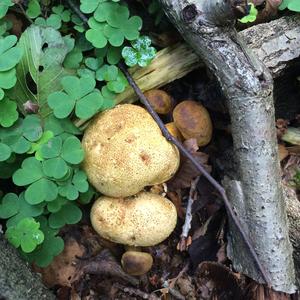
193 121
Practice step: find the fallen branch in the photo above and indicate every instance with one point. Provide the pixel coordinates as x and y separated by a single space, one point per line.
201 169
183 243
256 192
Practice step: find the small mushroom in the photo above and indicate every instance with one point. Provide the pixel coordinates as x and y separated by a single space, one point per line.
136 263
193 121
174 131
145 219
160 101
126 151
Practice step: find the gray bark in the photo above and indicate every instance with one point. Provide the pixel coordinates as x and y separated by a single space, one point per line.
17 281
258 196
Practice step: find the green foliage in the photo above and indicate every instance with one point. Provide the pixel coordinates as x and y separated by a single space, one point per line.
33 9
65 71
25 234
10 55
79 93
4 6
251 17
293 5
140 53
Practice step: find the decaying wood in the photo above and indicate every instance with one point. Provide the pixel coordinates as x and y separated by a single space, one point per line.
17 281
276 44
207 25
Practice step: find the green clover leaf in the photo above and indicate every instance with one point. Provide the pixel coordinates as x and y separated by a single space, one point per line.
68 214
60 126
5 152
89 6
4 6
8 112
32 129
72 151
16 208
95 34
251 17
79 93
140 53
51 246
40 187
36 147
64 14
9 206
25 234
21 135
55 205
53 21
86 197
8 80
9 54
116 81
293 5
34 9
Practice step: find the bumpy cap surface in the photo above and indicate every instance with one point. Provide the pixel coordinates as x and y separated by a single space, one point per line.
145 219
126 151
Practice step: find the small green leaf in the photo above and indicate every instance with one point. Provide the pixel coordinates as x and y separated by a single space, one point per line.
41 190
55 167
52 246
4 6
72 151
8 112
251 17
80 181
32 129
69 214
140 53
34 9
9 206
52 148
25 234
5 152
31 171
9 55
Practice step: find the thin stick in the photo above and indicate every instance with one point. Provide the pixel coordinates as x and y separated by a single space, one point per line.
201 169
186 153
182 245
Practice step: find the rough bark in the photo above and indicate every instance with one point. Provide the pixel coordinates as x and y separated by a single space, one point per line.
247 84
17 281
276 44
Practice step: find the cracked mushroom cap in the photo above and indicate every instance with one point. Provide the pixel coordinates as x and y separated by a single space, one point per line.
145 219
126 151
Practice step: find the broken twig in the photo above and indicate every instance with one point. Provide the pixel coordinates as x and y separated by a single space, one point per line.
184 241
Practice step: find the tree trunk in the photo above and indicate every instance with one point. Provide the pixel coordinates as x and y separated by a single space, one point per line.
17 281
256 192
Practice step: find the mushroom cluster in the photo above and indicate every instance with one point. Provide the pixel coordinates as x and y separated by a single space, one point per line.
125 152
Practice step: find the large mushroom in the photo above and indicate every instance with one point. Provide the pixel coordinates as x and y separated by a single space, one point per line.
126 151
145 219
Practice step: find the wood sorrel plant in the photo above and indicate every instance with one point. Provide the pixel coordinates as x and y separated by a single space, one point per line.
59 69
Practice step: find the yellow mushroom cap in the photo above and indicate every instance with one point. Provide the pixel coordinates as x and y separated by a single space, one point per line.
145 219
126 151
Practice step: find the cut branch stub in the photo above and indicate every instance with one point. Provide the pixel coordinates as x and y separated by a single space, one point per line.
248 87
